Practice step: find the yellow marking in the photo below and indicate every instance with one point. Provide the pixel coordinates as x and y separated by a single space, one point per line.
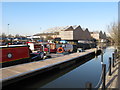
14 60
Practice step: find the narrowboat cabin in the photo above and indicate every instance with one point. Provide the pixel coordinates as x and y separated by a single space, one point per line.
43 47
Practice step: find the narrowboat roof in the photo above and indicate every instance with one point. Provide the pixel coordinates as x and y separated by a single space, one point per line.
13 46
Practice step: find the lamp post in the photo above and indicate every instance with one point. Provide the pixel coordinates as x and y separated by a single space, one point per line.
8 34
8 29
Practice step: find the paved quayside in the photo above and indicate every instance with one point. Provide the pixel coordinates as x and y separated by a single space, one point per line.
113 81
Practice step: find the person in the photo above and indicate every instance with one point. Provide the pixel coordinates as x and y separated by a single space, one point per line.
29 49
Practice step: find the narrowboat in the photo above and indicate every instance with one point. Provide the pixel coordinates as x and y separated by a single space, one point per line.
63 48
43 46
51 47
17 54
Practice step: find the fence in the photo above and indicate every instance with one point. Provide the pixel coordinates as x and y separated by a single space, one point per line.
102 80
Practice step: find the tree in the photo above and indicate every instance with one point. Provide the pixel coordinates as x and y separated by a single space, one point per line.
115 33
114 29
17 36
48 38
4 35
9 36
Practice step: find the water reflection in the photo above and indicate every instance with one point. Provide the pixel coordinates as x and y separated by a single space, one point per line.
88 72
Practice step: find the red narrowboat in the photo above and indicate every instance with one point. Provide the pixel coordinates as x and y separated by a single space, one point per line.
16 54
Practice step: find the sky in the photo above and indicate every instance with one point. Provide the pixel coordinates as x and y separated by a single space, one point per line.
28 18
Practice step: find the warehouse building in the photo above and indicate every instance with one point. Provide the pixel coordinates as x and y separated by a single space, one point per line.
75 33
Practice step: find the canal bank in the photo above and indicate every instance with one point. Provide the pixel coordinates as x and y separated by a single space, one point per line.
16 73
113 80
40 80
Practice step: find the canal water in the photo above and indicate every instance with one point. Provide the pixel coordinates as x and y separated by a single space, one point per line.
73 77
87 72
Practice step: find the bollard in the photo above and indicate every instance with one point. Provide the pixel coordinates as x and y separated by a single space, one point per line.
113 60
88 86
96 52
109 66
103 76
102 56
115 54
115 57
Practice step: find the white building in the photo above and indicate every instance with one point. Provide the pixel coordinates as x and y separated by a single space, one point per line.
100 36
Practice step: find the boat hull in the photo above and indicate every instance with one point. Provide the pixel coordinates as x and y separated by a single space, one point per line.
16 62
12 55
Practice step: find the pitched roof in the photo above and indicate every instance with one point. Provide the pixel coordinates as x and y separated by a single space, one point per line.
70 28
75 26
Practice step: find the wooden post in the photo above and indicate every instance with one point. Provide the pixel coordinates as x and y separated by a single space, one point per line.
103 76
88 86
109 66
116 52
113 60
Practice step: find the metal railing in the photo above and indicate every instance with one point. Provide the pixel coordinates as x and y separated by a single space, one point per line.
102 80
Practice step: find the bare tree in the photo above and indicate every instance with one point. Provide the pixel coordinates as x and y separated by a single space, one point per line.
17 36
114 29
10 36
3 35
114 33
